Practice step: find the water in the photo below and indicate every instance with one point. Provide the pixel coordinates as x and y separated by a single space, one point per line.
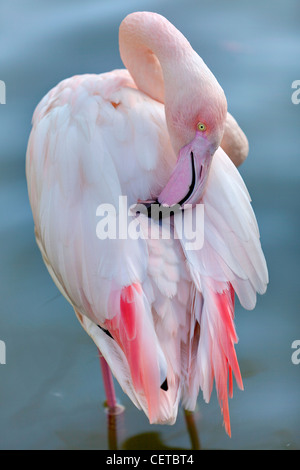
51 392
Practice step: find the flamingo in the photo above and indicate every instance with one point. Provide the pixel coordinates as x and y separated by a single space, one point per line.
161 315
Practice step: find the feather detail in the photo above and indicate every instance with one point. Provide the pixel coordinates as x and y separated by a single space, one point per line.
133 330
216 348
231 259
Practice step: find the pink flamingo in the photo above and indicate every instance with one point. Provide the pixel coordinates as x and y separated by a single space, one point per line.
161 315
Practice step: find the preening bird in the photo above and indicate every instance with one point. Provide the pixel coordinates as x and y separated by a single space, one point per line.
161 315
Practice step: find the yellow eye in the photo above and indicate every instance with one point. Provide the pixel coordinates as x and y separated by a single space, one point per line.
201 126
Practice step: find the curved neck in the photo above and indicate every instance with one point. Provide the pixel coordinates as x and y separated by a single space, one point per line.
164 65
149 46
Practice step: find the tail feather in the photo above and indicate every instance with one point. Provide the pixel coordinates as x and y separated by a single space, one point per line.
217 356
133 330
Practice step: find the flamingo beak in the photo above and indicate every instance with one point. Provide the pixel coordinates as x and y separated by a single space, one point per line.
188 180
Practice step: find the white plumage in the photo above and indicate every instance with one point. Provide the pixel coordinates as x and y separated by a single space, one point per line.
166 313
95 138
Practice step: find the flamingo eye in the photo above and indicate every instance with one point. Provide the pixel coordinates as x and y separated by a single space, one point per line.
201 126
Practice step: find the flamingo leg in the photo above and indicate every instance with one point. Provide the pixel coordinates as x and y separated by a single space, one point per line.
108 384
192 429
114 408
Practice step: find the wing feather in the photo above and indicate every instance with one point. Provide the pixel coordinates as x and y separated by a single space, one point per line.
231 257
87 148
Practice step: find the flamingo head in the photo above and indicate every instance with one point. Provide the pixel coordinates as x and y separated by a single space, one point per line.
196 120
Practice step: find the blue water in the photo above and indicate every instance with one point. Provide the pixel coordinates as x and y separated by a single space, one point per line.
51 393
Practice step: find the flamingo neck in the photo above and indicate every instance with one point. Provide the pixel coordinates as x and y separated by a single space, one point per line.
151 49
164 65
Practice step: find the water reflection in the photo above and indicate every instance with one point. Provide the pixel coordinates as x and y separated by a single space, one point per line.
146 440
115 424
155 441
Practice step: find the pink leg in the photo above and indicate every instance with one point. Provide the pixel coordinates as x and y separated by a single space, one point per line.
108 384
